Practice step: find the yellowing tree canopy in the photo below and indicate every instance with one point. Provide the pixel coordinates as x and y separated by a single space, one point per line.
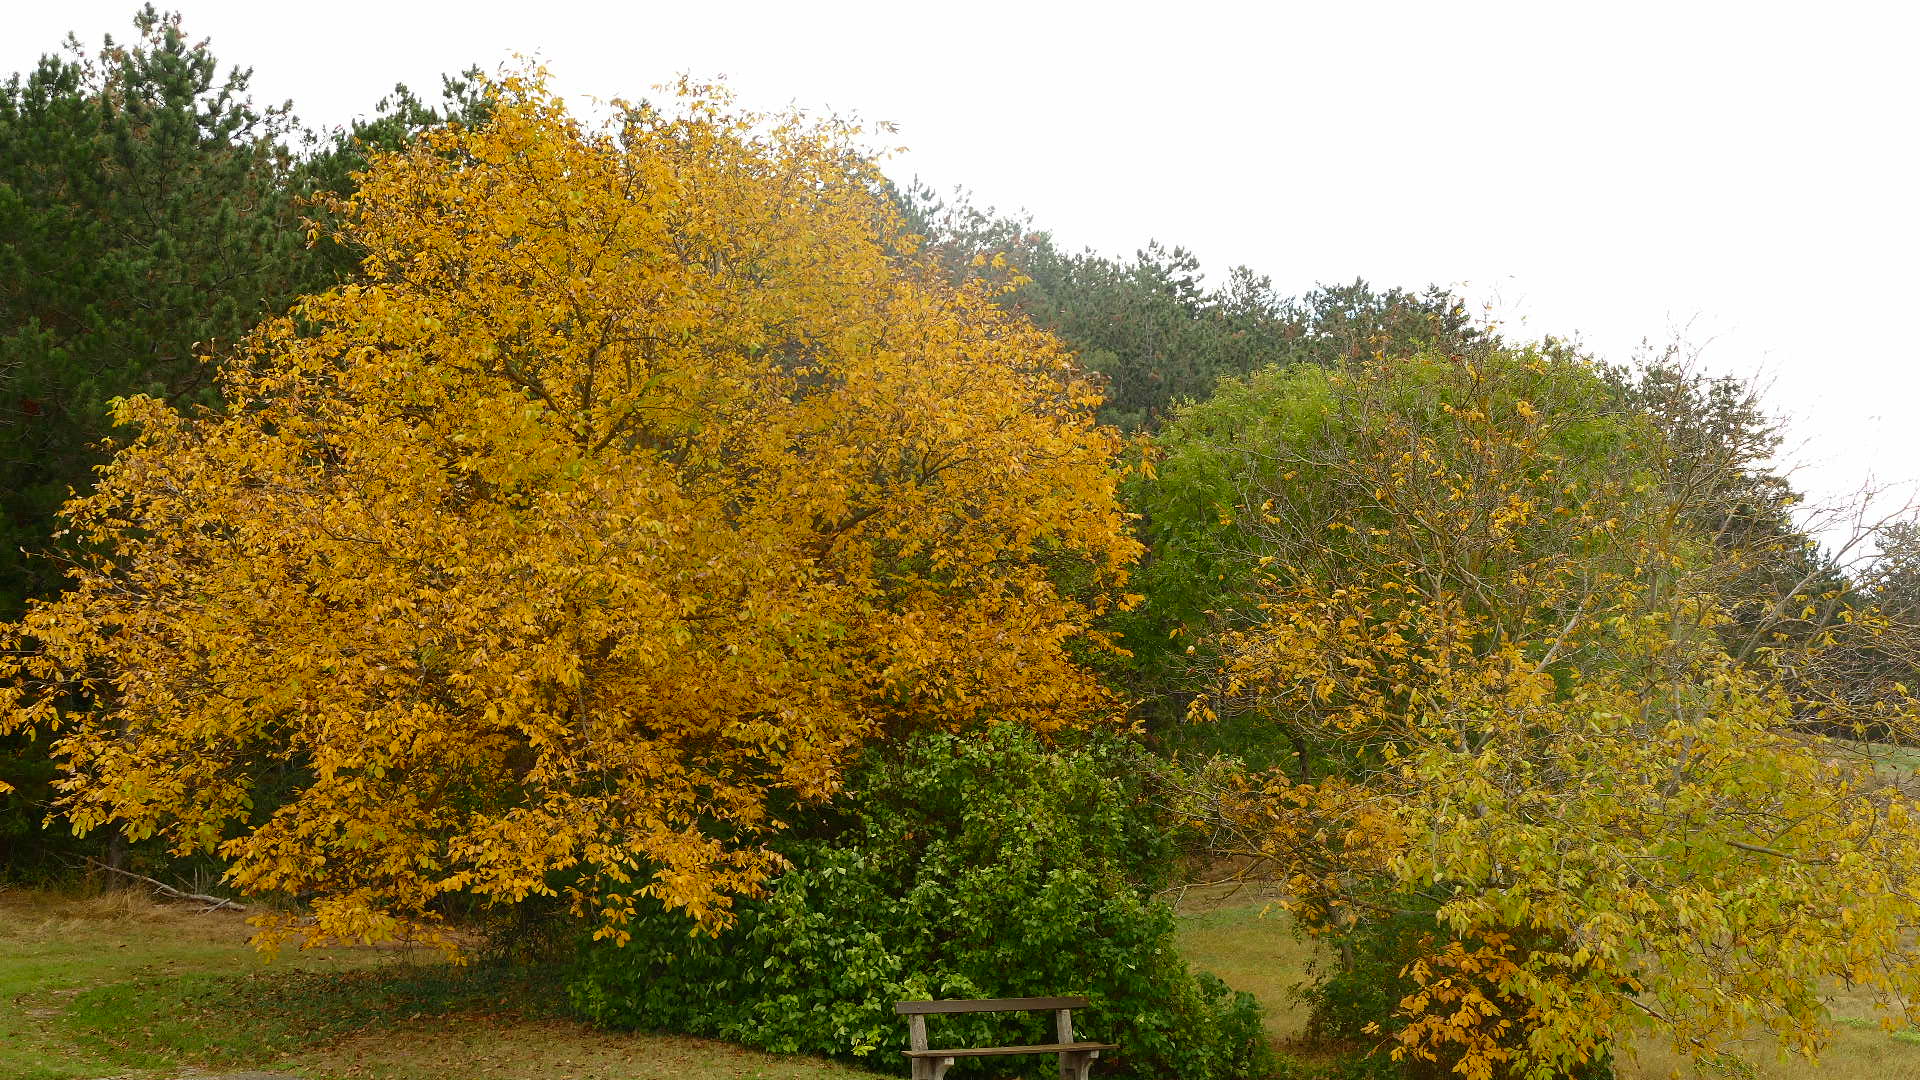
1529 772
645 477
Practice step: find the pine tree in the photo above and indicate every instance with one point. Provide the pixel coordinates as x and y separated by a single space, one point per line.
144 222
149 215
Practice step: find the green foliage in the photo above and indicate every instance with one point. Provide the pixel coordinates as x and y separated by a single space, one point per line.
1256 462
150 213
954 867
1153 327
1163 339
142 223
25 855
1487 598
1835 625
1363 983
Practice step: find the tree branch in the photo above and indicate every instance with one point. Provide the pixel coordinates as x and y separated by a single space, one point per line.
172 893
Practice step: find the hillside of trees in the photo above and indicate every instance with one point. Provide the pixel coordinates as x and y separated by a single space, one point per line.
676 550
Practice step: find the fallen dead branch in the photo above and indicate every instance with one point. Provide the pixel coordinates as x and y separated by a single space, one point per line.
215 903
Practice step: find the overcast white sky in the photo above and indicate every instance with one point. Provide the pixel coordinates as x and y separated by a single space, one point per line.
1742 174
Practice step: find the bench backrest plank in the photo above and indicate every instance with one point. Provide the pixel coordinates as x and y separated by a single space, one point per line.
923 1008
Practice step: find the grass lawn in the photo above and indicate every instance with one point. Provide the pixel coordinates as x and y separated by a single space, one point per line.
1241 935
114 985
1242 938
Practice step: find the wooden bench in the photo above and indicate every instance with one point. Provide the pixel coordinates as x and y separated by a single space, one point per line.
1076 1058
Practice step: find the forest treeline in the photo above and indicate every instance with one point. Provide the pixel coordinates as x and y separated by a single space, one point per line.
676 549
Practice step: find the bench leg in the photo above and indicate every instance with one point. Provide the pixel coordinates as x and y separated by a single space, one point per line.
931 1068
1076 1064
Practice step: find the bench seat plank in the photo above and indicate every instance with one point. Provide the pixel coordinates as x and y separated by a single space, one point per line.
924 1008
999 1051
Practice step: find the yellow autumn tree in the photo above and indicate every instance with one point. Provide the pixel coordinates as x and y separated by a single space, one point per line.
1530 782
645 477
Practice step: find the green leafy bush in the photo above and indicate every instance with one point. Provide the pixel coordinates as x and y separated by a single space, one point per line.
954 867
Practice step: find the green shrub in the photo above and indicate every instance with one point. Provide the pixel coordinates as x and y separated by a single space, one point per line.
954 867
1361 983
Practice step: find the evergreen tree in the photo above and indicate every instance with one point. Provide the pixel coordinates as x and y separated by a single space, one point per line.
1154 328
334 158
150 213
144 222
